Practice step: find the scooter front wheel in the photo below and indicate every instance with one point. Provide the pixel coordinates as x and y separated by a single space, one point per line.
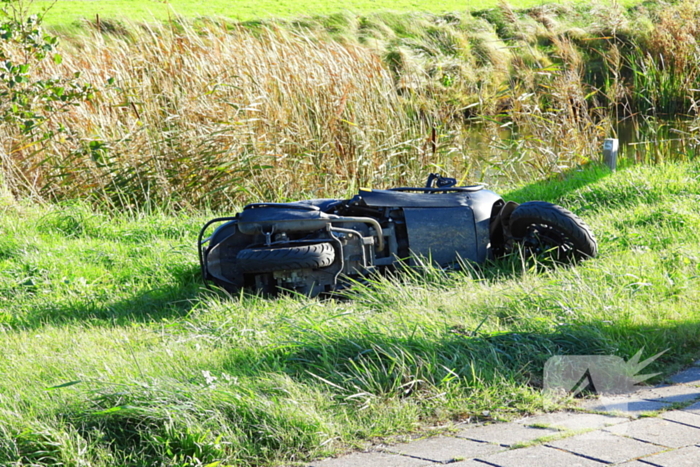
270 259
545 228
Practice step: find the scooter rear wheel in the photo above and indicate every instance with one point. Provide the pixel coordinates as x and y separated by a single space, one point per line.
269 259
545 228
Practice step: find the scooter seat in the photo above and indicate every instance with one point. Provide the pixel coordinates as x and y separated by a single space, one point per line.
282 217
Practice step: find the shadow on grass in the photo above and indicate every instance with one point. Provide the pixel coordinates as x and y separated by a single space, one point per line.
171 300
362 365
382 365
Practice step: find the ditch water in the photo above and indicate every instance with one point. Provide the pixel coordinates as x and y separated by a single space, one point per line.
499 152
658 140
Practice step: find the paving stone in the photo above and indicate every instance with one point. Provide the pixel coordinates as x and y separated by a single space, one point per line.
606 447
632 464
675 393
689 376
686 418
538 456
695 408
624 405
471 463
689 456
372 459
505 434
658 431
444 449
573 421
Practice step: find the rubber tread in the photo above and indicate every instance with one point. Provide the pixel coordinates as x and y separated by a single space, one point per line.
259 260
558 218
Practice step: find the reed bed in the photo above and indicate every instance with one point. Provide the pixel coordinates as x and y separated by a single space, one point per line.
214 114
200 117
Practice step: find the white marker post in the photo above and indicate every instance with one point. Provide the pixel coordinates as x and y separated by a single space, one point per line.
610 148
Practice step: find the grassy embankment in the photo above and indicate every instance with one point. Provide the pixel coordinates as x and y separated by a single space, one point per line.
66 13
169 374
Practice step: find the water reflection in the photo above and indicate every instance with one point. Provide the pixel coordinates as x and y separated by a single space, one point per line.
652 140
491 152
502 151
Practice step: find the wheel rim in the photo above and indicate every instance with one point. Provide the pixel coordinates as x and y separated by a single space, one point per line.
543 239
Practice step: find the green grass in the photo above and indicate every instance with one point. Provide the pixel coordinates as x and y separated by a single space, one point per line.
115 354
65 12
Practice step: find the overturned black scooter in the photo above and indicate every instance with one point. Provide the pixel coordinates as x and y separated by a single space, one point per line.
319 246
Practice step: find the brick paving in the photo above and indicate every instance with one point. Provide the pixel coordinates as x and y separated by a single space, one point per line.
444 449
605 431
515 435
606 447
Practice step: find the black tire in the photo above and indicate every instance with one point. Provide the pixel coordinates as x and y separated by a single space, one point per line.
545 228
314 256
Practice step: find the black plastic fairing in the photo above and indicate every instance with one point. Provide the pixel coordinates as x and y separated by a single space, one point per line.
443 234
480 202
